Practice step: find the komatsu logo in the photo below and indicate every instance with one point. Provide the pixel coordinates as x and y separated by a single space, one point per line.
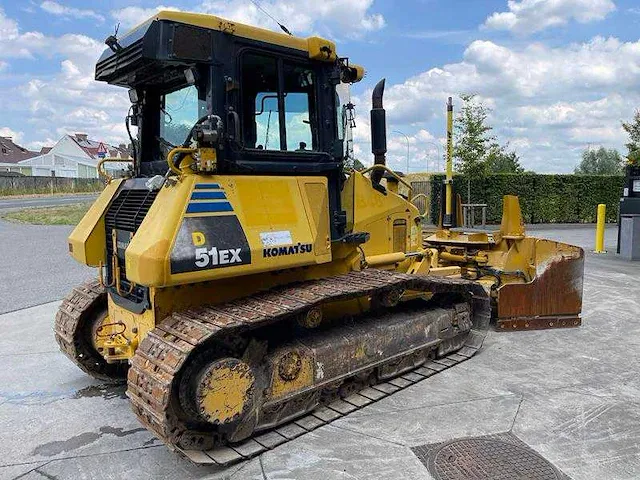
287 250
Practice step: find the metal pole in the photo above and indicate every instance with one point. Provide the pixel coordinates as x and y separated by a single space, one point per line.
448 215
407 139
602 214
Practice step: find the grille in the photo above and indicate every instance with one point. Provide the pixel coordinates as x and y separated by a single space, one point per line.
128 210
126 213
118 65
192 43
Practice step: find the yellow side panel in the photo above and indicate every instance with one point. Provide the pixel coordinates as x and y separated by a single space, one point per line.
206 228
400 235
87 242
316 200
369 210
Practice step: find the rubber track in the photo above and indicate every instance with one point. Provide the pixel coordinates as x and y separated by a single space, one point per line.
165 349
83 300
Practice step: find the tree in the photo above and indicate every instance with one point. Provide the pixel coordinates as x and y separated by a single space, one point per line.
499 160
354 163
473 139
600 162
633 129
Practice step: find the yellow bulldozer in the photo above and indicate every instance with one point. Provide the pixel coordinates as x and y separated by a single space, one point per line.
249 286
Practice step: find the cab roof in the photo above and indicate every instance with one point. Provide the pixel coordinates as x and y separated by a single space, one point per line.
318 48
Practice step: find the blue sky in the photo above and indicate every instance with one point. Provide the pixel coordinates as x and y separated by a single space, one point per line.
560 75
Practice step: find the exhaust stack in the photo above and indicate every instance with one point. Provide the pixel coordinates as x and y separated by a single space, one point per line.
378 131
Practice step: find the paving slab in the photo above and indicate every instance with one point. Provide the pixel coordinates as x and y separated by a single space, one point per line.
332 452
587 432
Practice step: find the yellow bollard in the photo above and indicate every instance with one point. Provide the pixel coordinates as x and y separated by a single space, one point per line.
602 210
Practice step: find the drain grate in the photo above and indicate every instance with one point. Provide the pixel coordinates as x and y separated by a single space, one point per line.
495 457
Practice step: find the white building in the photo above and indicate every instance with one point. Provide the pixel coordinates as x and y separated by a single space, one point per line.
76 156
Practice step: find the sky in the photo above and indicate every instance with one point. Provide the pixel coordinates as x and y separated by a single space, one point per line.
558 75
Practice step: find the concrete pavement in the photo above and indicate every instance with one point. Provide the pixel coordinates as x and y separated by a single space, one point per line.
572 395
14 203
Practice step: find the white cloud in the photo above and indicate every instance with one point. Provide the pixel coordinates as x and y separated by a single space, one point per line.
549 103
56 8
349 18
65 101
7 132
529 16
132 16
16 44
337 18
8 27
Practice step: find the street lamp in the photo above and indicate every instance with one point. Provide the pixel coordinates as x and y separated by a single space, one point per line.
437 148
407 139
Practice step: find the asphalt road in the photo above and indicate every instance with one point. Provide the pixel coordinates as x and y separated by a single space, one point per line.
8 203
35 266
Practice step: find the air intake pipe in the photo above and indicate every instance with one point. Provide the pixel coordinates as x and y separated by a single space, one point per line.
378 132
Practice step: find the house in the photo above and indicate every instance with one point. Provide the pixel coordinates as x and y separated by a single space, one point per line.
10 154
76 156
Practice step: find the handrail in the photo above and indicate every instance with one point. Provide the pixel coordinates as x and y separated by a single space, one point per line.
175 152
390 172
103 173
426 203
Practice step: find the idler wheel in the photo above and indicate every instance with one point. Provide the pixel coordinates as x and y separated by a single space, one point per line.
224 391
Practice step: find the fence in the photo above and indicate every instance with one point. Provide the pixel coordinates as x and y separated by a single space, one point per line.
543 198
28 185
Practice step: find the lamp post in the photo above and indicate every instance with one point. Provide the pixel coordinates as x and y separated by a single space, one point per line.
437 148
407 139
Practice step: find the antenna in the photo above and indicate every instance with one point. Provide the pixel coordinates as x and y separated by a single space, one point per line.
259 7
117 28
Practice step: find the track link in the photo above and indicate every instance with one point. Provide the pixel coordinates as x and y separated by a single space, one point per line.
164 351
72 331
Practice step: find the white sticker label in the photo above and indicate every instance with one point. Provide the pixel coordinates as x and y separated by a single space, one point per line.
636 185
272 239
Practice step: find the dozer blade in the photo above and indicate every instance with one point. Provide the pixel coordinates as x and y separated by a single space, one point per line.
553 299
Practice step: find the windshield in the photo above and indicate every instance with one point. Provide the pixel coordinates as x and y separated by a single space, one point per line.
180 110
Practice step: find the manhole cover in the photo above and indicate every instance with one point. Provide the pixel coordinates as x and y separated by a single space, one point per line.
497 457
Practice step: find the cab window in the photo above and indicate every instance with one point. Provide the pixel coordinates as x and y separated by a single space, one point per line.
278 105
180 110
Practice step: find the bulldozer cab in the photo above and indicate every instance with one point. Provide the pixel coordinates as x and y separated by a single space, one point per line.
275 96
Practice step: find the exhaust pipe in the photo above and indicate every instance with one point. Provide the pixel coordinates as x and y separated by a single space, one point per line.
378 132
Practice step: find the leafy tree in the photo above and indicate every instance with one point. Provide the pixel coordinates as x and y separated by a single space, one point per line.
633 129
499 160
354 163
473 138
600 162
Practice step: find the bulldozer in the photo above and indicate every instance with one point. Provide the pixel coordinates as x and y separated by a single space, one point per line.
250 287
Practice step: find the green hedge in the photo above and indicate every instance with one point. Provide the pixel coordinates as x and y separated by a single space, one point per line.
543 198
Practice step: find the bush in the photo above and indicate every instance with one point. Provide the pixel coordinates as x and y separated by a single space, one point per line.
543 198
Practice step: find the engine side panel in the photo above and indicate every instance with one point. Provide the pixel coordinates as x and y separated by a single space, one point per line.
211 227
87 242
